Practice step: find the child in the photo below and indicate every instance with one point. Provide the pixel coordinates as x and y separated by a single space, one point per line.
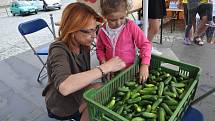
120 36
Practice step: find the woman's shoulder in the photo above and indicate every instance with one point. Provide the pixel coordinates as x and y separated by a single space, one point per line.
58 46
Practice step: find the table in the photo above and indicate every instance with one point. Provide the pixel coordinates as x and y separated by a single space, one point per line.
174 17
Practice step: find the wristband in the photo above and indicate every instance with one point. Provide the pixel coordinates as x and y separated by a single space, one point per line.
103 74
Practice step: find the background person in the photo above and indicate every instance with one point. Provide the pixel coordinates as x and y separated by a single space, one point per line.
156 11
210 32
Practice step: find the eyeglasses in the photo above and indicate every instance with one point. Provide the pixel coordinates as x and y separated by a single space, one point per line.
89 31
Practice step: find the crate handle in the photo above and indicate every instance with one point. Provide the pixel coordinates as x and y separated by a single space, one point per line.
170 66
106 118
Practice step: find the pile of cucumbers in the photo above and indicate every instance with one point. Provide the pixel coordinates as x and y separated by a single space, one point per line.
155 100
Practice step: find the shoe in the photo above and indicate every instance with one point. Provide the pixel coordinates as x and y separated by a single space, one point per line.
210 24
198 41
156 52
187 41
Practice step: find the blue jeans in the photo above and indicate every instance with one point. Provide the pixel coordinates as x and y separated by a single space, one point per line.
74 117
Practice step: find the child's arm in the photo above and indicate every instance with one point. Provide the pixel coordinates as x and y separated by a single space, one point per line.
100 50
144 73
144 45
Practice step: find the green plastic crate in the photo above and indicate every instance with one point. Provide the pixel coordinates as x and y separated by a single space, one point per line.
97 98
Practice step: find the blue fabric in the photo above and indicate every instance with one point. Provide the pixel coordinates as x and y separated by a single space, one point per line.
193 114
42 51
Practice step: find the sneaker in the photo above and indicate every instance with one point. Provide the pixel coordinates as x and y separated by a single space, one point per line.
197 40
187 41
210 24
156 52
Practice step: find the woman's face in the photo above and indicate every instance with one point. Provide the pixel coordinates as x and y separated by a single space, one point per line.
86 35
116 19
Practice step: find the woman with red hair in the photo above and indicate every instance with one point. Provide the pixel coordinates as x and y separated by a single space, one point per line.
68 64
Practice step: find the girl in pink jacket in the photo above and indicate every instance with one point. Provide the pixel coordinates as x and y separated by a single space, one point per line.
120 36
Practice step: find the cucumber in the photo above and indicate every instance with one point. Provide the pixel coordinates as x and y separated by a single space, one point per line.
160 88
182 95
123 89
168 80
137 89
127 96
149 85
148 108
172 107
174 79
161 116
145 102
130 84
170 102
170 99
149 115
120 93
180 91
156 103
134 95
150 97
167 109
173 89
135 100
119 111
150 89
170 94
179 85
144 92
111 104
137 108
138 119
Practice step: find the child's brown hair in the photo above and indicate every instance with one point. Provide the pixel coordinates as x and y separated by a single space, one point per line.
111 6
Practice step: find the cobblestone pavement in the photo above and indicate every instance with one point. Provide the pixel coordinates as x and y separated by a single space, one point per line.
12 42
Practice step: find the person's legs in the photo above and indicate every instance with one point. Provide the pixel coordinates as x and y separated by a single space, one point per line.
210 15
156 11
202 11
186 20
210 33
191 19
154 26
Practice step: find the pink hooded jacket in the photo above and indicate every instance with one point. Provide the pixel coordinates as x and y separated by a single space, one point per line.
130 37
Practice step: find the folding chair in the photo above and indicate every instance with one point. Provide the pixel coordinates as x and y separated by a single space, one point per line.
30 27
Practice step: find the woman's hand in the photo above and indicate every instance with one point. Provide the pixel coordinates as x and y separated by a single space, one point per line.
113 65
144 73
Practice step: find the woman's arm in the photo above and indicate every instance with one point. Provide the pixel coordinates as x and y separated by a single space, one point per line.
78 81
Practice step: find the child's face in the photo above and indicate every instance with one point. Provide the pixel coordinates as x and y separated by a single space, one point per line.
116 19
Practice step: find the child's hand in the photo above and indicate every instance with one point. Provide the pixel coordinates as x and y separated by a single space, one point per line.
144 73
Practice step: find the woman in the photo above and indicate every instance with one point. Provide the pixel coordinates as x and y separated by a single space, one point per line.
68 64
